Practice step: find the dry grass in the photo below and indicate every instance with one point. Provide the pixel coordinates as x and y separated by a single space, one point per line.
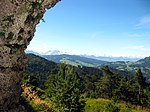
38 104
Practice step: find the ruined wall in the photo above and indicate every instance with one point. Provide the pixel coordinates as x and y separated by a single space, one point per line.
18 20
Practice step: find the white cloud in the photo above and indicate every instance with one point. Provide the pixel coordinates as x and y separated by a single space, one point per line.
143 22
137 51
141 48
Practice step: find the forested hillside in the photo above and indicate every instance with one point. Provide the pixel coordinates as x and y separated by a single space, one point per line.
122 66
39 67
42 68
75 60
67 88
143 64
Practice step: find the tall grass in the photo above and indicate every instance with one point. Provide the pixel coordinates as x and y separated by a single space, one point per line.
104 105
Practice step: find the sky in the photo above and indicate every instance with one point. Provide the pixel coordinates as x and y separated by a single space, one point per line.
96 27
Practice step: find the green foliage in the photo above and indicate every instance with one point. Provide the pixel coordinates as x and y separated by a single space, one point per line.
90 77
39 68
96 105
66 84
2 34
140 80
64 89
107 84
143 64
36 4
101 105
43 108
30 80
125 90
111 107
75 60
10 36
104 105
140 86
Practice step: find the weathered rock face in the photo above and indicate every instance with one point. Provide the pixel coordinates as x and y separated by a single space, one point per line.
18 20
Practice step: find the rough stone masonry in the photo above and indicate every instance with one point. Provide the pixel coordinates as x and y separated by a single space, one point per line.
18 20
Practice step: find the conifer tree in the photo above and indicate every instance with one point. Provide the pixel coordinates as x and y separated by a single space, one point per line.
106 84
140 83
64 89
125 91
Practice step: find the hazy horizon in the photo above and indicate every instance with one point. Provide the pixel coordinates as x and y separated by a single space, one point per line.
84 55
101 28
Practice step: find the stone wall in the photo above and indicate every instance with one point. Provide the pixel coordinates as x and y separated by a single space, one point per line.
18 20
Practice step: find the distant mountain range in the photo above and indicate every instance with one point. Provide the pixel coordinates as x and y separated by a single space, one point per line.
31 52
112 59
50 52
75 60
102 58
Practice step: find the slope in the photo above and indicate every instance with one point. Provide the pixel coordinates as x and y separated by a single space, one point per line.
75 60
144 64
39 67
